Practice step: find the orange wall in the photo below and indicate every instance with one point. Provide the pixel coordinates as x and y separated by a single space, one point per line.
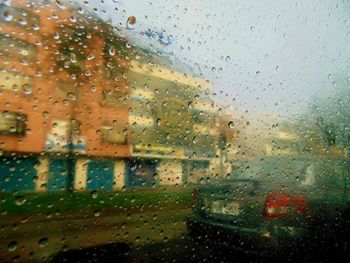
43 106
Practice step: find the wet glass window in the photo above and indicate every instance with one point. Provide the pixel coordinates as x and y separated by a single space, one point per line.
174 131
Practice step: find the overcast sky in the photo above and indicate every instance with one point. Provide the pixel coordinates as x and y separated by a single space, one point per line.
267 56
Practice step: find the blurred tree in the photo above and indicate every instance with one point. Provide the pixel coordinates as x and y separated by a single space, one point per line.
332 116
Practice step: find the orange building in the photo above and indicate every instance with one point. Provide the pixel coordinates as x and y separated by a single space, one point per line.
62 93
82 109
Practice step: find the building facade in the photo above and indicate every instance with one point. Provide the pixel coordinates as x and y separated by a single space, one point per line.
172 122
83 109
63 107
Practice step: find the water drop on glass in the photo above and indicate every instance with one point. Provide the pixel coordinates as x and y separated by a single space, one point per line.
27 89
112 51
20 200
43 242
90 57
94 194
73 58
97 213
131 22
12 246
7 15
71 96
60 4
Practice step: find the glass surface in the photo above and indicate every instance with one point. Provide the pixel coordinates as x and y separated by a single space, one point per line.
174 131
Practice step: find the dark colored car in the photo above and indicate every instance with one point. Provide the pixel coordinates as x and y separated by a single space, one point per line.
278 206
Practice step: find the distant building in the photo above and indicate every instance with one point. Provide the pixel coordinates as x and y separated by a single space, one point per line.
171 119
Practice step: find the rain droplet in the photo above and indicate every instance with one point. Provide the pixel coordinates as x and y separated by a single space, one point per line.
131 22
73 19
194 140
228 59
7 15
112 51
71 96
257 73
73 58
97 213
231 124
56 36
81 10
12 246
22 22
36 27
20 200
60 4
27 89
15 87
43 242
94 194
90 57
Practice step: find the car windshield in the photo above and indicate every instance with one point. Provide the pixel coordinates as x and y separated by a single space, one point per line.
173 131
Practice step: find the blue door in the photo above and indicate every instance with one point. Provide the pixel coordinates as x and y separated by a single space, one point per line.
59 171
100 176
17 174
141 173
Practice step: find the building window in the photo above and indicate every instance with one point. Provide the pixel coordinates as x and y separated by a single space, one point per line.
11 81
17 48
142 173
113 135
12 123
64 136
113 98
67 90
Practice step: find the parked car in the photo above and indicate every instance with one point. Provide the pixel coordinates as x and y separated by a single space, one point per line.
279 206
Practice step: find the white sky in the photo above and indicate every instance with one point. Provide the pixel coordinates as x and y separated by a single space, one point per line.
282 54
